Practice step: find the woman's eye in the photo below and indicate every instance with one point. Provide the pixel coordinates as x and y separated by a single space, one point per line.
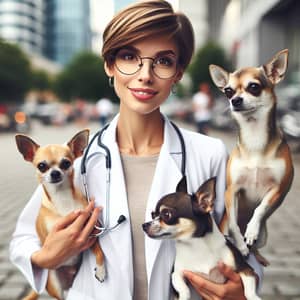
165 61
254 89
65 164
229 92
43 167
126 55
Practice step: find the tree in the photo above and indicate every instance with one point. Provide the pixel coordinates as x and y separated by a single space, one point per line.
41 80
15 73
83 77
210 53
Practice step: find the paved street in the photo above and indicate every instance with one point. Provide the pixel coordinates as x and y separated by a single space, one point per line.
17 182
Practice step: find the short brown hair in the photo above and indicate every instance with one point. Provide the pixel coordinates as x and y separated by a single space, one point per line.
145 19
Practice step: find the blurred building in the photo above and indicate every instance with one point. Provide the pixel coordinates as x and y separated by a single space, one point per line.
67 29
54 29
205 16
22 22
267 27
197 12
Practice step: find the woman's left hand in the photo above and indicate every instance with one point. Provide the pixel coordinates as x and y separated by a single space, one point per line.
231 290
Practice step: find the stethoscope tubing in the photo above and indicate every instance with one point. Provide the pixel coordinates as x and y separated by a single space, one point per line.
108 162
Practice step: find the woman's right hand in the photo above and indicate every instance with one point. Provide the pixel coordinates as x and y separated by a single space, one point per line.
69 237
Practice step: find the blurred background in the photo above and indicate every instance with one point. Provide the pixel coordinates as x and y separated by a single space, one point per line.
52 82
51 68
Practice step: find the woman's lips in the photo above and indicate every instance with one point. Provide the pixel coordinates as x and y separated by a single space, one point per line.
143 94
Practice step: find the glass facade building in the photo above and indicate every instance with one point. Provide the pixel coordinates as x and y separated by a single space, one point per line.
68 29
56 29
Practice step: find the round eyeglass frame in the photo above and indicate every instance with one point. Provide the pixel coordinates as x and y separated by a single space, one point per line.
141 64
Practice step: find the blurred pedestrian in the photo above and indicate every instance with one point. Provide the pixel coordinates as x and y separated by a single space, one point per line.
105 109
202 107
80 112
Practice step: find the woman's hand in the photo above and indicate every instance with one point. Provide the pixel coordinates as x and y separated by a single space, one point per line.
70 236
231 290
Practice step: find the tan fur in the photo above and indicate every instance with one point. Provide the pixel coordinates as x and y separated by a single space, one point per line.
49 212
259 169
31 296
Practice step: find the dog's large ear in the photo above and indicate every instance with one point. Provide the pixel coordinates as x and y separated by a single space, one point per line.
205 196
276 68
79 142
26 146
219 76
182 185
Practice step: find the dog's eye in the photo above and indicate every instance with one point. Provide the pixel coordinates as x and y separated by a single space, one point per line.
65 164
254 89
229 92
43 167
153 215
166 215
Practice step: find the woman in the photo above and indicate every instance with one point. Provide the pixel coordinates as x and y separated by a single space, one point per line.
146 49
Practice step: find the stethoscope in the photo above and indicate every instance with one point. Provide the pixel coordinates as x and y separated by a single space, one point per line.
105 228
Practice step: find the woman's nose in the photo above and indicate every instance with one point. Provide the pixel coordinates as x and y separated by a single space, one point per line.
146 71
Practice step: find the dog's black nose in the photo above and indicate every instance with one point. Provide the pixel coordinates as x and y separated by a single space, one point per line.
55 176
237 102
146 226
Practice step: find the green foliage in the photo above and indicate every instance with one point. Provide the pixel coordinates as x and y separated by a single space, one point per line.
41 80
15 73
210 53
83 77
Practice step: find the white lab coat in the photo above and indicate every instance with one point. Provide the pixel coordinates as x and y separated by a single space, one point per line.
206 157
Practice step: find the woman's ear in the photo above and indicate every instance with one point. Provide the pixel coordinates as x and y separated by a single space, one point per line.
108 70
178 76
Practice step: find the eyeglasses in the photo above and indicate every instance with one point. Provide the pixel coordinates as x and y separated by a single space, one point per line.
128 62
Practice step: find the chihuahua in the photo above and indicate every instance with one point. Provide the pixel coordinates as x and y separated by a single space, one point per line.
260 170
200 245
54 165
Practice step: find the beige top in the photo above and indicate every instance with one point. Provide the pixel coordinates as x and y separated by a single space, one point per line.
138 174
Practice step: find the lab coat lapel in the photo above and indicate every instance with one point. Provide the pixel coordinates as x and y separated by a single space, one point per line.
166 178
121 237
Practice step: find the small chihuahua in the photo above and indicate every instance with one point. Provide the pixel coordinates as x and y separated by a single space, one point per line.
54 165
260 170
199 243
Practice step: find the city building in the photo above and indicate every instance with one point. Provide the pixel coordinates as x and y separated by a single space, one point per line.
205 16
53 29
267 27
67 29
22 22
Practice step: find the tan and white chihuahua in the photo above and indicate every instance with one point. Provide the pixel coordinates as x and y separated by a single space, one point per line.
54 166
260 170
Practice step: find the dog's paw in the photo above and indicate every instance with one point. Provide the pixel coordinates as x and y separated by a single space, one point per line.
251 234
100 273
180 287
243 249
184 296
